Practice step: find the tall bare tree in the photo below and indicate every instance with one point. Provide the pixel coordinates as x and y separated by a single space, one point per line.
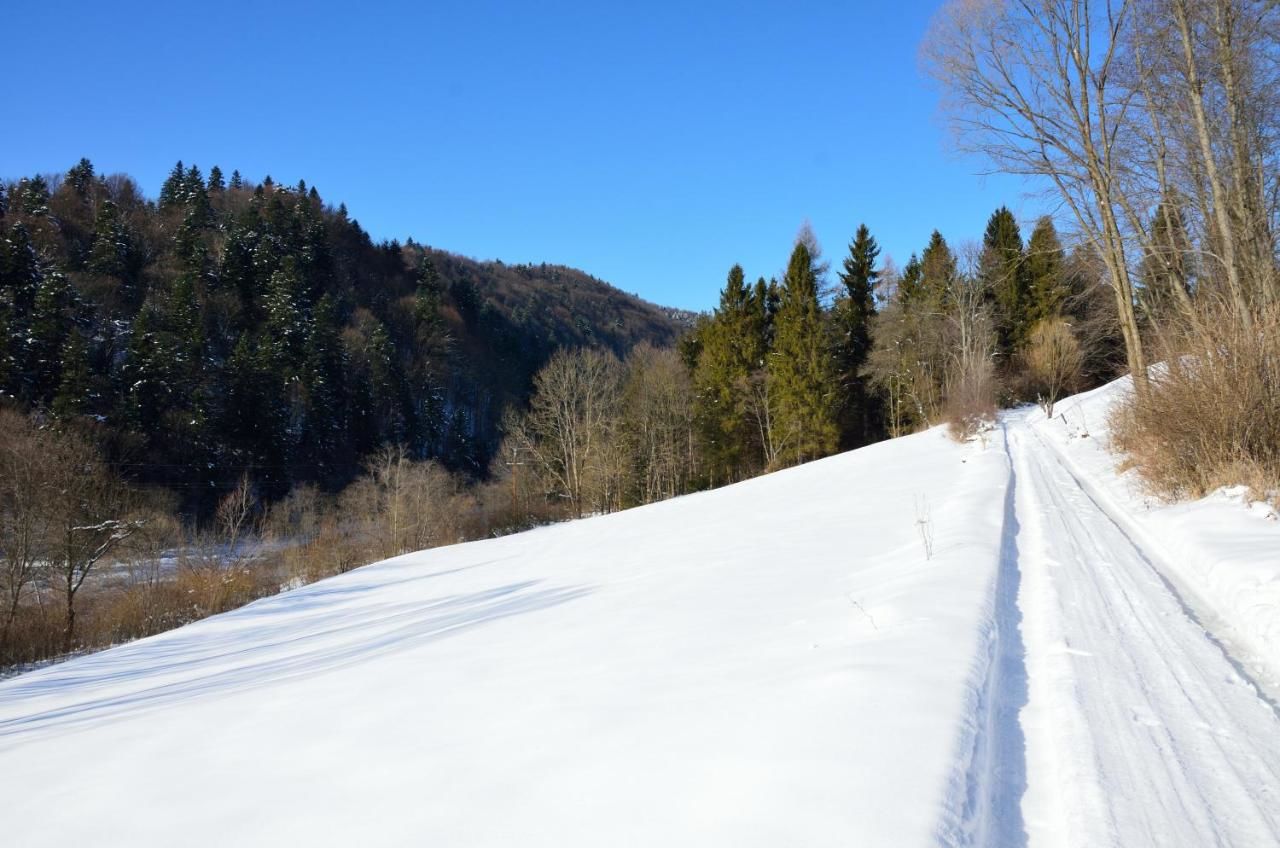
1034 86
570 421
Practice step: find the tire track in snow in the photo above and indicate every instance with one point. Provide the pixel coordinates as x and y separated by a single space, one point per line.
1141 728
995 766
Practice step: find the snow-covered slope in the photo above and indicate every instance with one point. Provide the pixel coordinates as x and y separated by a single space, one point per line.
772 663
780 662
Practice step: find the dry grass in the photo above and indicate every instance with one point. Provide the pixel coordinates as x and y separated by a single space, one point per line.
1212 415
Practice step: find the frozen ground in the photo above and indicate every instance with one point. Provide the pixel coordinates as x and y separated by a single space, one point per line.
775 663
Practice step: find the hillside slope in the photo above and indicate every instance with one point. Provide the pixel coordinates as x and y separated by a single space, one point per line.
915 643
775 662
229 328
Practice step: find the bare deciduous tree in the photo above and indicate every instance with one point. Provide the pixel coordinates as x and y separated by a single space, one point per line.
1034 86
570 422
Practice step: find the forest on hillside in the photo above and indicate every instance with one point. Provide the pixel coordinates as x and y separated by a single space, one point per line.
233 328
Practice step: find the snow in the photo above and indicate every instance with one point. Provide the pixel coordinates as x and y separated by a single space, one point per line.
774 662
779 662
1221 553
1139 728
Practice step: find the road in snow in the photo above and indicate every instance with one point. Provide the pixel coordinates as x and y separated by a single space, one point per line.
1139 729
773 663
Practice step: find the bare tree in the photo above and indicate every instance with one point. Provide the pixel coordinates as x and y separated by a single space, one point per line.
761 409
234 514
658 422
1033 86
570 419
91 513
24 513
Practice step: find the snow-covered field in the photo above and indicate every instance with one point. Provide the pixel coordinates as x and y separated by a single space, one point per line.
781 662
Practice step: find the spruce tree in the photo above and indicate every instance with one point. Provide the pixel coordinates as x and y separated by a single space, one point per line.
46 335
1046 273
31 197
911 284
215 185
1004 276
800 371
237 182
171 192
323 375
853 312
80 178
1165 271
732 349
938 273
75 386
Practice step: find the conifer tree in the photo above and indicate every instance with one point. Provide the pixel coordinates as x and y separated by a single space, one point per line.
853 312
1046 273
1004 275
910 290
732 349
1165 271
31 196
237 182
324 372
938 272
75 386
800 371
80 178
216 185
47 333
171 192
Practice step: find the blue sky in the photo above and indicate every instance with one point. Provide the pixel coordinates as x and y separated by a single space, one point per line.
651 144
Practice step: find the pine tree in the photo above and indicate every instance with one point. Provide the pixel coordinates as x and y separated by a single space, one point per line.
938 273
800 371
1004 275
732 349
114 252
237 182
47 333
75 387
80 178
196 198
910 289
31 197
285 314
215 185
171 192
324 374
1046 273
853 312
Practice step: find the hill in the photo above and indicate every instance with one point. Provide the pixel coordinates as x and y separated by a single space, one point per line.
230 327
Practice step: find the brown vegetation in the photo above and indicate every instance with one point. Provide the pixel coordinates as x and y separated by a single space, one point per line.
1212 415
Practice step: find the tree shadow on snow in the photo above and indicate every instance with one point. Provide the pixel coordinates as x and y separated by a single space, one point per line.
223 655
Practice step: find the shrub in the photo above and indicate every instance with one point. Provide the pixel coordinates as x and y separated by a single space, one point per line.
1211 416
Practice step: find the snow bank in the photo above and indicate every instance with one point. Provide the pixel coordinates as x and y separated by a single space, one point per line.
777 662
1222 554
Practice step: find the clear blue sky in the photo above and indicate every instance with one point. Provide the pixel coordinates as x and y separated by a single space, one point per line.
651 144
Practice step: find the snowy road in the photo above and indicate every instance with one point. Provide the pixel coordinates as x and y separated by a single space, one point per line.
1138 728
